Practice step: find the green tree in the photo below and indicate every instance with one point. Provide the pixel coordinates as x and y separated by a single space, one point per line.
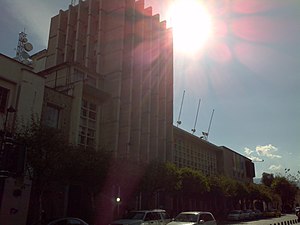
46 158
87 169
267 179
54 163
286 190
161 176
194 183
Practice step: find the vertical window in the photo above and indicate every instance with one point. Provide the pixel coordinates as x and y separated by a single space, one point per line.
3 99
51 116
87 129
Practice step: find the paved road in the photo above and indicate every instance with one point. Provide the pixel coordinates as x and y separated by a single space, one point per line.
288 219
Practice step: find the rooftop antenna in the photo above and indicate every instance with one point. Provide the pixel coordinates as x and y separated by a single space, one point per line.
178 121
23 48
194 129
205 134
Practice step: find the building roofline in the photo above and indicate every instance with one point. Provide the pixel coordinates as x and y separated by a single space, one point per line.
195 137
16 61
224 147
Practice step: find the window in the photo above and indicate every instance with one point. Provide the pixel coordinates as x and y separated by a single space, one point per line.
51 116
3 99
156 216
206 217
149 216
88 121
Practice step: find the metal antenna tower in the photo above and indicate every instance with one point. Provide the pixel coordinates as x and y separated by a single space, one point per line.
178 121
194 129
23 48
205 134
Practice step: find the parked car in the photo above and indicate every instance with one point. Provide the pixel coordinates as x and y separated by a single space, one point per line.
272 213
268 213
297 212
277 212
68 221
257 214
156 217
248 214
194 217
236 215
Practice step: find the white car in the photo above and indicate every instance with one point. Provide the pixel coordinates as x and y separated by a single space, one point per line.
139 217
194 217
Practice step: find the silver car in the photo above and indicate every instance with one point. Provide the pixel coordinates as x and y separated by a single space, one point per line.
138 217
195 217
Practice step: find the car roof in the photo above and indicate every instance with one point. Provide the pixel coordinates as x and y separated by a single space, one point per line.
194 212
149 210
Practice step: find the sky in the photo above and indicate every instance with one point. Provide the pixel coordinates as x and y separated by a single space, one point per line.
247 71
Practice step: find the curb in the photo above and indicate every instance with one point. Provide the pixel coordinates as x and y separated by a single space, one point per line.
288 222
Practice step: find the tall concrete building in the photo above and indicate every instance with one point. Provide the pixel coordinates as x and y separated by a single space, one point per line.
116 59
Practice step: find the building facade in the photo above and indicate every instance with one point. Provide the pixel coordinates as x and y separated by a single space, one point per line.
236 166
118 49
195 153
198 154
21 100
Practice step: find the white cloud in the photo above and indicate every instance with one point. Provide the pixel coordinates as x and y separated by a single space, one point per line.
249 154
275 168
268 151
248 151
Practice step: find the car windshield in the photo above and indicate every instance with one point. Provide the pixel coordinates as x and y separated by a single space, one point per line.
186 217
135 215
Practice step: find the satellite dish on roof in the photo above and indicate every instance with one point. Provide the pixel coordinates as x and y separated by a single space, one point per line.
28 46
23 39
23 48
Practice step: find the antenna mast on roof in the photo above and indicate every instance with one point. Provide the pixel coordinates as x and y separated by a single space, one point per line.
23 48
205 134
178 121
194 129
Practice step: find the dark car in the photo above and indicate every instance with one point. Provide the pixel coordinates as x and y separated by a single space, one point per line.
68 221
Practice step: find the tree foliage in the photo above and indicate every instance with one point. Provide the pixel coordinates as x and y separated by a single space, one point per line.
193 182
267 179
53 163
160 176
286 190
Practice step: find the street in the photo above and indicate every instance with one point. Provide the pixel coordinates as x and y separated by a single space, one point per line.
287 219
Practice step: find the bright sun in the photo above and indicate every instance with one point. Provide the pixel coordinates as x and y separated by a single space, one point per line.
191 23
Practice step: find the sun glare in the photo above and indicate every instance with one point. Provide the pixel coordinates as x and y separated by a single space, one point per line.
191 23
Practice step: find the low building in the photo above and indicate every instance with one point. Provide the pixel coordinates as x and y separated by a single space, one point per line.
21 99
195 153
236 166
199 154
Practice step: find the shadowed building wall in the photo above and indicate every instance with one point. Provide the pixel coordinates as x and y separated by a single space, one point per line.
128 54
